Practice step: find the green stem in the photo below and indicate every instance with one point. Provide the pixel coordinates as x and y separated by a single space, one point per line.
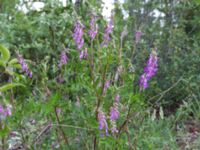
61 129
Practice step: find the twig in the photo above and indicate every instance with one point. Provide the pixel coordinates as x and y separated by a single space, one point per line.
71 126
129 139
41 133
95 143
60 127
126 120
164 92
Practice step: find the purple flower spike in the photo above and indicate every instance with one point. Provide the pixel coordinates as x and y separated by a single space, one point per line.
63 59
24 66
114 113
78 35
144 81
83 54
8 110
30 74
152 65
150 70
93 28
107 32
138 36
4 112
106 86
102 122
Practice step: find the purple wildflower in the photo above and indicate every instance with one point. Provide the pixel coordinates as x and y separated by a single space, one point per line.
83 54
63 59
24 66
93 28
114 113
138 36
4 112
152 65
30 74
102 121
144 81
149 70
108 30
106 85
114 127
8 110
78 35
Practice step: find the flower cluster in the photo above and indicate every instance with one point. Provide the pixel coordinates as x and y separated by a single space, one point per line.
149 70
83 54
138 36
63 59
102 121
78 35
93 28
24 66
4 112
107 32
106 85
114 114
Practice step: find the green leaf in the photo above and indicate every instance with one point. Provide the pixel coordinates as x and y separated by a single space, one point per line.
13 61
161 113
198 1
49 106
4 131
9 86
5 55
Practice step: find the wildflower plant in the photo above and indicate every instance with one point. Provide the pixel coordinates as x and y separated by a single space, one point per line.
150 70
86 90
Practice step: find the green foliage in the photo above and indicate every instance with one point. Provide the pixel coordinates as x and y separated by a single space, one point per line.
9 86
5 55
57 108
156 135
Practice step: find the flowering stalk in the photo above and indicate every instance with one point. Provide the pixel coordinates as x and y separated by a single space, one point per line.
24 66
63 59
114 114
83 54
78 35
149 70
93 28
4 112
106 86
102 121
114 127
107 32
138 36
